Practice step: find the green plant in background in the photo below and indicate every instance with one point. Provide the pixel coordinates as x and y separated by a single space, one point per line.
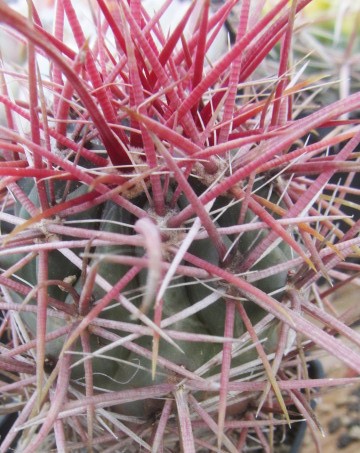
168 234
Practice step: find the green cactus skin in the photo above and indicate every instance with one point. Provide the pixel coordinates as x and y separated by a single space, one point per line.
114 220
59 268
134 370
193 356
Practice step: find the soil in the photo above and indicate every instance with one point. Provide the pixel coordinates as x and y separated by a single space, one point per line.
339 415
338 410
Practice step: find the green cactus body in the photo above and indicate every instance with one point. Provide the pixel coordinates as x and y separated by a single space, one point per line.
192 355
214 316
60 268
134 370
114 220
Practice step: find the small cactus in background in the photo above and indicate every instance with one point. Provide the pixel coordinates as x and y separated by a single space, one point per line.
168 234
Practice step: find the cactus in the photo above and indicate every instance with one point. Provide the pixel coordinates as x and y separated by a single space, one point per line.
165 229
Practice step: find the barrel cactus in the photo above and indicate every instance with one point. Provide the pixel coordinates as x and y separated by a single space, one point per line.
167 233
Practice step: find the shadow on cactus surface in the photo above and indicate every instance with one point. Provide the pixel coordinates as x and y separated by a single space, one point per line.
169 234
